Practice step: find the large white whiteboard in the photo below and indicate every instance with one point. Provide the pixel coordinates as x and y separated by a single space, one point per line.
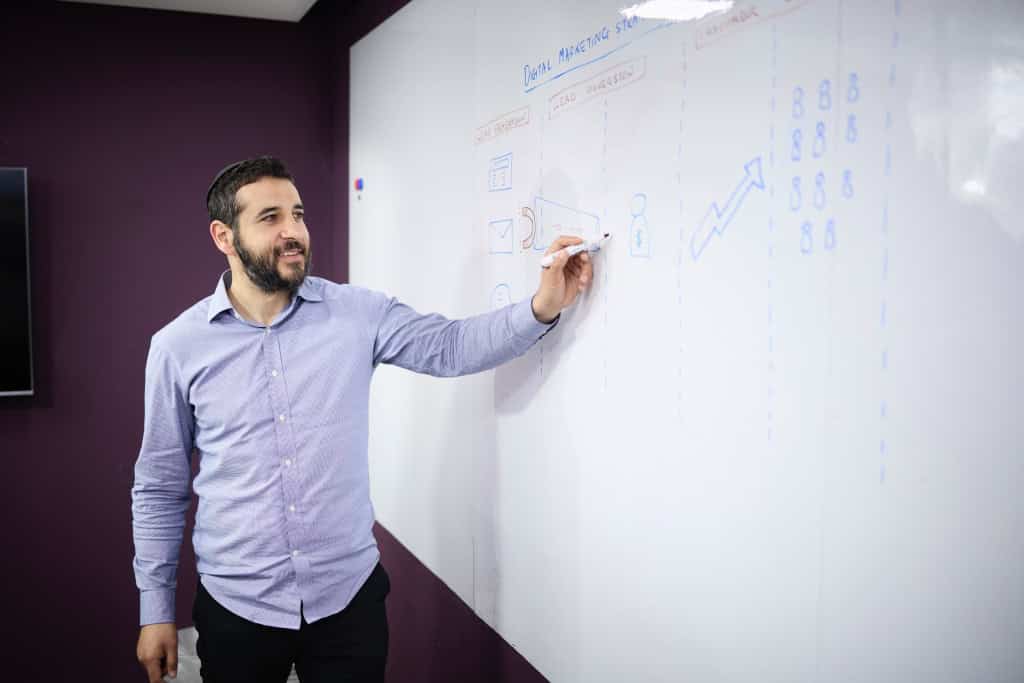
781 438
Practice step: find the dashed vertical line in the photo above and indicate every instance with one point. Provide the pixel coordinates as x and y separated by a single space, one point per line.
604 263
540 192
540 351
680 250
884 313
830 357
771 235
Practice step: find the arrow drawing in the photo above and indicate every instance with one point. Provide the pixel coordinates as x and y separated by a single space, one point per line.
716 220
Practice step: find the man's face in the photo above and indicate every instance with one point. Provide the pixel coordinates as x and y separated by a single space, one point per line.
271 240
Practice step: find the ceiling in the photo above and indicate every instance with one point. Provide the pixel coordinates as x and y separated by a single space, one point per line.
280 10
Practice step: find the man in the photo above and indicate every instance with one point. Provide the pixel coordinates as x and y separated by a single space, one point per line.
268 380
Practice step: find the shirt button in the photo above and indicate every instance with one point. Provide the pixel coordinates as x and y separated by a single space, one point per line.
288 462
273 373
281 418
295 553
292 508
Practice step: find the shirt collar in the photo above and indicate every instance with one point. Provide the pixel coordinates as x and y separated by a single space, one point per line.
220 302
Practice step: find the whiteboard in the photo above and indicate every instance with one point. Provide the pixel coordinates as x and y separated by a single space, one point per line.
780 438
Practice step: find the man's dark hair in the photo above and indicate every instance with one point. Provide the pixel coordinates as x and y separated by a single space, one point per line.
221 202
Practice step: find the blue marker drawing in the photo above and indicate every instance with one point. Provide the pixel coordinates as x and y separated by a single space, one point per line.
554 219
853 88
851 128
825 95
848 184
639 234
819 139
623 45
795 197
501 296
798 102
830 234
500 174
500 236
819 191
716 220
806 238
798 136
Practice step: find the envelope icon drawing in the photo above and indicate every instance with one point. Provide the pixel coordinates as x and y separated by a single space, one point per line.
500 236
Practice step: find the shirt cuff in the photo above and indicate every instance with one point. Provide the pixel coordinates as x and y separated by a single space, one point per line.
525 323
156 606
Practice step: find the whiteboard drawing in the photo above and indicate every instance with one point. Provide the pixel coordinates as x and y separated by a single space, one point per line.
554 219
819 139
530 220
639 235
612 79
819 191
825 95
807 238
501 296
499 175
500 236
716 220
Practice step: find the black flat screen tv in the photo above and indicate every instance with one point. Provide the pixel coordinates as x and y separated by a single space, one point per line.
15 305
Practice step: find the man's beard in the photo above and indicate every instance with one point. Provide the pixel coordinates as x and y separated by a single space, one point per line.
262 270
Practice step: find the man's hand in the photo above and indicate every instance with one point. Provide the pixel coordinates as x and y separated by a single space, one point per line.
562 281
158 651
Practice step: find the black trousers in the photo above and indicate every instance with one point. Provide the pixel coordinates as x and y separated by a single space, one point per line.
351 645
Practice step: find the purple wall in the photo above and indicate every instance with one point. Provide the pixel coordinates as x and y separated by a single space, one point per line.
122 117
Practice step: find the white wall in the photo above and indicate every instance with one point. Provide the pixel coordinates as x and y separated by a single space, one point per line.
766 452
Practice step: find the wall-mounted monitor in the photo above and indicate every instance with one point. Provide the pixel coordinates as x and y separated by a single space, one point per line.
15 306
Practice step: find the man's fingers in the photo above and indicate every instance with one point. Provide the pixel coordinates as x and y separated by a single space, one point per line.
172 661
157 651
587 270
559 262
581 268
153 671
562 242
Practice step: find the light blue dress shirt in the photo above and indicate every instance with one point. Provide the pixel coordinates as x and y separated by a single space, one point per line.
279 415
